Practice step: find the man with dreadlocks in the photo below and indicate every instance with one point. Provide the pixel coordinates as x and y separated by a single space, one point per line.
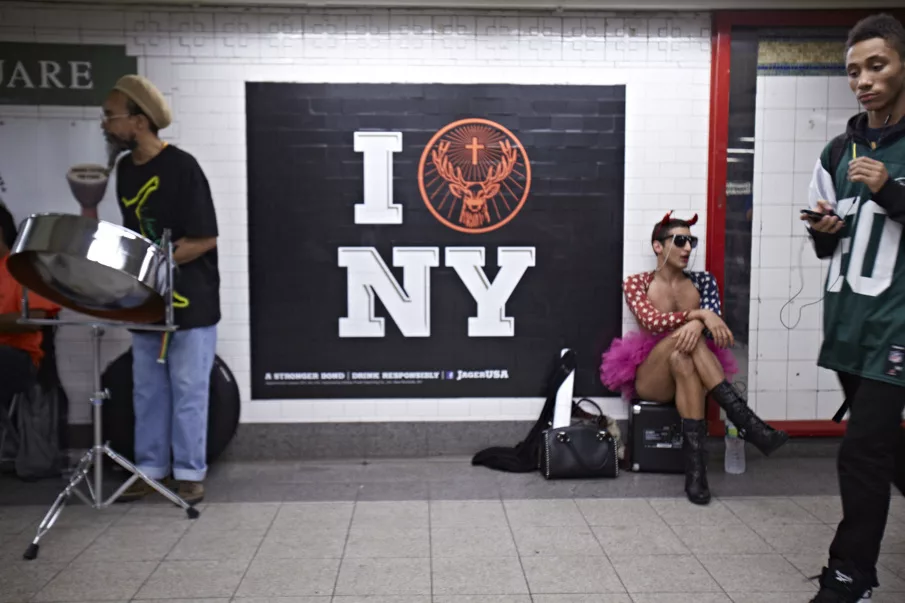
682 353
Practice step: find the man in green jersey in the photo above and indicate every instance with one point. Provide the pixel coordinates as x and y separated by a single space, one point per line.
859 187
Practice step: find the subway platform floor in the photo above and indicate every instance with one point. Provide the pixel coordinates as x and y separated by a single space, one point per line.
442 531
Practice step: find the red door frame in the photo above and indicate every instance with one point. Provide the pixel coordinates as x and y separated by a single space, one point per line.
723 22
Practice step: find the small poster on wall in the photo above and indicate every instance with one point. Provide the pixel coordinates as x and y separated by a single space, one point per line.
414 241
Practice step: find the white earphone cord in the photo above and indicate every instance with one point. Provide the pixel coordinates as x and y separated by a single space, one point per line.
801 280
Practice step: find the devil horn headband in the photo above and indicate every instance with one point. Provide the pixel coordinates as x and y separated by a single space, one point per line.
668 217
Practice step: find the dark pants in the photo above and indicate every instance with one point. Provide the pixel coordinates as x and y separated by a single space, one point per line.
872 457
17 372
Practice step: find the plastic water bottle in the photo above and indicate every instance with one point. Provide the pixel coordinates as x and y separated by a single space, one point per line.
735 451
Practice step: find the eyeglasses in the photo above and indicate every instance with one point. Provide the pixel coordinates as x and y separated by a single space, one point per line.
106 118
681 241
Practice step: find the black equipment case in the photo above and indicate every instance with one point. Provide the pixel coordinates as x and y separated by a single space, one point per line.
655 438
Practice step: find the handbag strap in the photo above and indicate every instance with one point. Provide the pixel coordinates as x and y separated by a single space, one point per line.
565 439
591 402
601 419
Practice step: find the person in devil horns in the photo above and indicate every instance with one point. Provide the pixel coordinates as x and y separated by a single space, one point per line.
682 352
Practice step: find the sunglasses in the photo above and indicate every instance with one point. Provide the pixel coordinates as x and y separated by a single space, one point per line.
681 241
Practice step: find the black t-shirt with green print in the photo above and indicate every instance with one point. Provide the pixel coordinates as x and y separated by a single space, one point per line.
171 191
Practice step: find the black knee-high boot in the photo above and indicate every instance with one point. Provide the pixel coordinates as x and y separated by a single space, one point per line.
751 428
693 449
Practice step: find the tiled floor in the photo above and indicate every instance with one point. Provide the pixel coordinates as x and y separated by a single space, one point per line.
505 539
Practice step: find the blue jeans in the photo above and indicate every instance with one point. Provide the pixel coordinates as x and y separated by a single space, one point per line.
171 402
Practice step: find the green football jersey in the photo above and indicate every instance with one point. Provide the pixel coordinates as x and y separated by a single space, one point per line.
864 300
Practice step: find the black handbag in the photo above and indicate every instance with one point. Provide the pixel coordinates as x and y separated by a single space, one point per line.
582 450
524 457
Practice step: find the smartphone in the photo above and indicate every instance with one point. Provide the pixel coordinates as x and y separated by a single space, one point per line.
814 216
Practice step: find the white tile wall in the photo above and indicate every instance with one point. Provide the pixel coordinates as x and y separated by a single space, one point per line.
201 59
796 117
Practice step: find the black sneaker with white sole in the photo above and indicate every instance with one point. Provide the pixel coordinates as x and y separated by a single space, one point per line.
840 584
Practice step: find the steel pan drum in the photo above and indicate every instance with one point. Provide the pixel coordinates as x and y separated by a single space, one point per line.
92 267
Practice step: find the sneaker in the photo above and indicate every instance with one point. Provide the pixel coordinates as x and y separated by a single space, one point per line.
191 492
839 584
140 489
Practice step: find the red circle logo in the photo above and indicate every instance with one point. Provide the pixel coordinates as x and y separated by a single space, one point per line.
474 175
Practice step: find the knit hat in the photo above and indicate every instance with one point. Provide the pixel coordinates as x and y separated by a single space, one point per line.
144 94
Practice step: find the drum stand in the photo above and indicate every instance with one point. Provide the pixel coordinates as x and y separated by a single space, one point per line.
95 456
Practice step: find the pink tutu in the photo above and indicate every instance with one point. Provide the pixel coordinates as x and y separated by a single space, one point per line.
621 361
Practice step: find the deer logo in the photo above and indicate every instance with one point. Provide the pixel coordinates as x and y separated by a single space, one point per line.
474 176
